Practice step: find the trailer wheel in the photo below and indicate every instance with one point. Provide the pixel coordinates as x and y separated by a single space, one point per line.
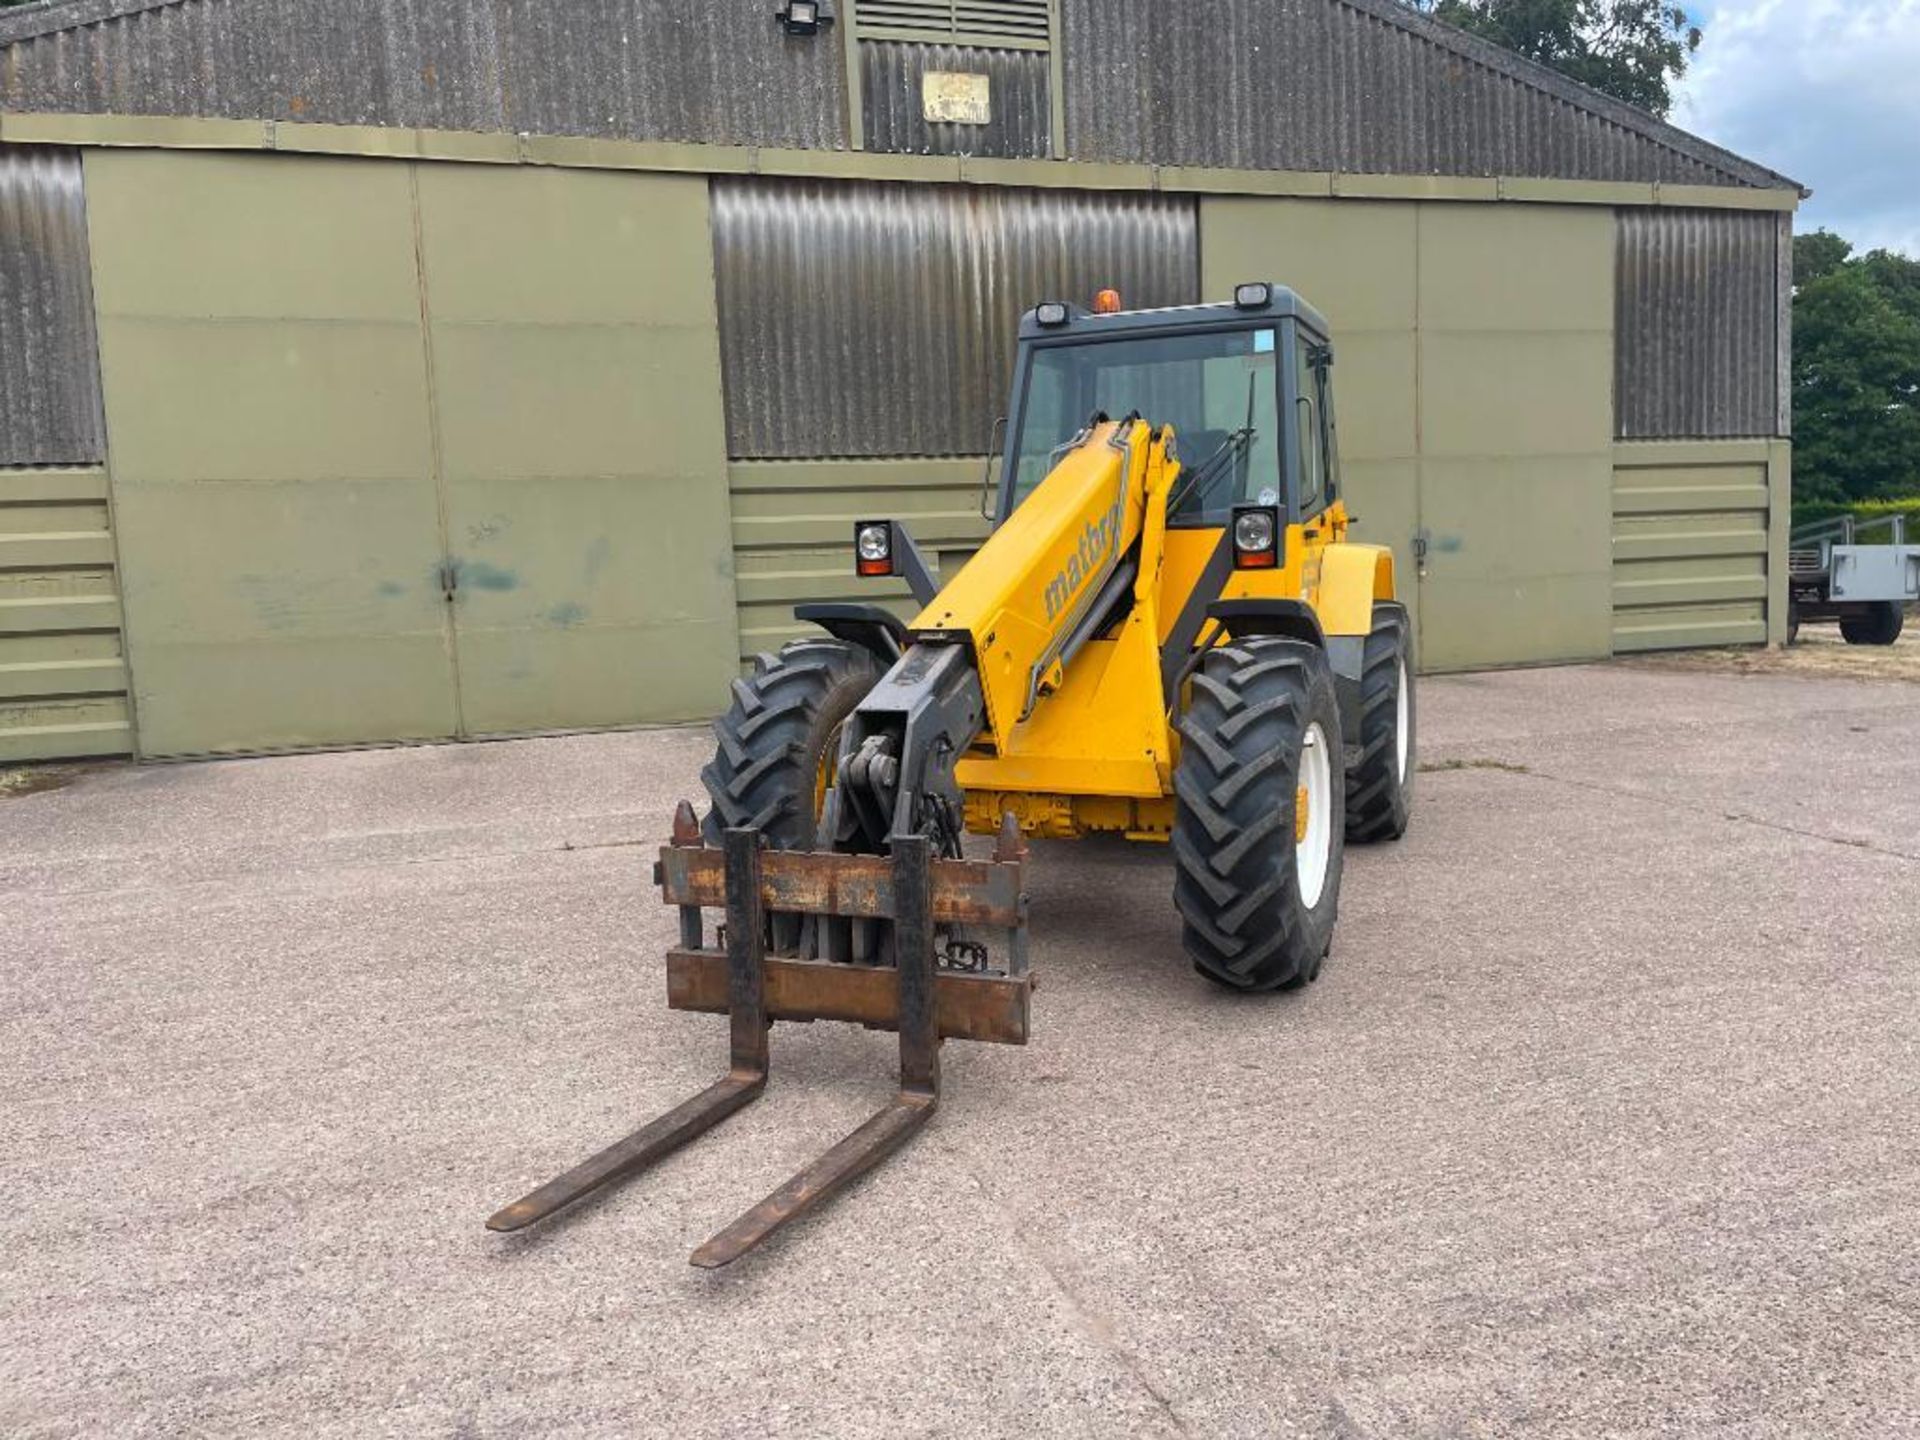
1260 814
777 745
1881 625
1380 781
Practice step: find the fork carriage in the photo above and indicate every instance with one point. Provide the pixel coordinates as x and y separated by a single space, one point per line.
915 897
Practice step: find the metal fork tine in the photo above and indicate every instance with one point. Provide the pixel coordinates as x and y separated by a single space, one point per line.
871 917
747 1075
630 1156
866 1147
919 1095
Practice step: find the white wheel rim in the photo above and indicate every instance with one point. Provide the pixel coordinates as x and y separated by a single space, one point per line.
1313 846
1402 722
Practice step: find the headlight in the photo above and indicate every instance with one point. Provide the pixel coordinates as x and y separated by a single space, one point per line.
1253 531
873 547
1256 537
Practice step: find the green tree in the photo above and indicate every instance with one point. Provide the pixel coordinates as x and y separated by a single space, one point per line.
1631 49
1856 373
1818 255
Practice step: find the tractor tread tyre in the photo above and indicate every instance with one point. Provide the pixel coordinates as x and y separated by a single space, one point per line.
1235 882
1881 626
771 739
1379 792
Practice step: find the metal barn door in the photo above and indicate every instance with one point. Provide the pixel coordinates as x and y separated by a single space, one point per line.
578 416
270 450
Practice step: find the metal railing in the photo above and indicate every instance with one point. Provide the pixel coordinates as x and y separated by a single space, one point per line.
1848 530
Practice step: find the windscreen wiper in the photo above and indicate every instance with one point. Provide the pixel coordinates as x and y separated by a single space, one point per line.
1237 444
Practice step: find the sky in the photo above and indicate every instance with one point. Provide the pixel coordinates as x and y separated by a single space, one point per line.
1824 91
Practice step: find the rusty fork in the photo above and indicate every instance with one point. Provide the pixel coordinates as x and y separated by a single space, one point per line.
925 1005
746 1074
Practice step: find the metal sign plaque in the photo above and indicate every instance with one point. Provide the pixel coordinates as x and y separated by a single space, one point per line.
951 98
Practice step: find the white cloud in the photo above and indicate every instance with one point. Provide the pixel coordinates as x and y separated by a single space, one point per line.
1827 91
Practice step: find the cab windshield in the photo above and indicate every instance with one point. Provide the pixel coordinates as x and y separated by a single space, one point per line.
1219 390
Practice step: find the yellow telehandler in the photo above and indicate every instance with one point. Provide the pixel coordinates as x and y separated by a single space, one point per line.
1167 636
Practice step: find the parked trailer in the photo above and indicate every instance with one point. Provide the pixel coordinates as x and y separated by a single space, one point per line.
1835 575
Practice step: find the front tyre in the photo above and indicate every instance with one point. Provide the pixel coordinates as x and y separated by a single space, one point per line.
777 742
1380 780
1259 814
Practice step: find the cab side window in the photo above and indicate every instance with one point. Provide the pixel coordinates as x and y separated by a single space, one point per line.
1309 417
1323 374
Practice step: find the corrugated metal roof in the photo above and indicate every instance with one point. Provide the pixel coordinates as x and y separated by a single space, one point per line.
1360 86
874 319
1697 316
720 73
50 412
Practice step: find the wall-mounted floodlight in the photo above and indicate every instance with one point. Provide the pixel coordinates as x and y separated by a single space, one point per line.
804 17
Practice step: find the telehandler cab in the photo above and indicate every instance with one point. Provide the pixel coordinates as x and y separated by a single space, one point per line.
1167 636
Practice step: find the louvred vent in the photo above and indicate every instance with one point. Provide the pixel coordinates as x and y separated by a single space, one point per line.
940 21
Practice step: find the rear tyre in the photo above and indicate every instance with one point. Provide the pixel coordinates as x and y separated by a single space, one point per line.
1380 781
1879 626
777 745
1259 814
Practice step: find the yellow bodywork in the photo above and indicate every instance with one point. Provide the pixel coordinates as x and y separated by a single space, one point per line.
1090 745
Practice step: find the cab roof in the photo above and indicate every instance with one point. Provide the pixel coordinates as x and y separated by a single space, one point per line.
1083 324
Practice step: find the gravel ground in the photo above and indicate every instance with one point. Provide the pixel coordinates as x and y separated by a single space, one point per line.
1604 1119
1818 652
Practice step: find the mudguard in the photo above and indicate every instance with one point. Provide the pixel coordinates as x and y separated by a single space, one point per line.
874 628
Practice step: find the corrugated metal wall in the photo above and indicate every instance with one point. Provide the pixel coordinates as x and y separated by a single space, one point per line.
1690 545
793 526
1019 91
718 72
350 62
1361 86
63 678
49 363
63 675
869 319
1697 348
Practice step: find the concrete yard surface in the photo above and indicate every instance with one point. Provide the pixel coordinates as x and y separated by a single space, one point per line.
1603 1120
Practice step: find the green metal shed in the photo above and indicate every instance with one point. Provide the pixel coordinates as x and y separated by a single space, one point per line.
476 373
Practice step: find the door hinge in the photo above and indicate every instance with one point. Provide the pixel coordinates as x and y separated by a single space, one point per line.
1420 538
449 579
